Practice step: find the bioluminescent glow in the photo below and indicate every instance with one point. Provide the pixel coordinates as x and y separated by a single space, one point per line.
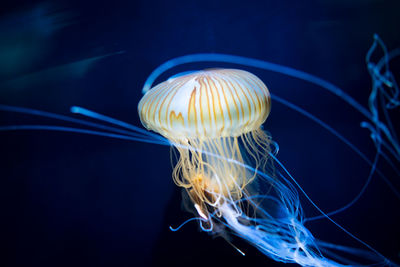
228 165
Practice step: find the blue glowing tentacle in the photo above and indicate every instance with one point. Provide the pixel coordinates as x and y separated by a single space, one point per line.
46 114
355 251
357 197
185 222
98 116
386 116
345 261
392 92
378 82
377 137
77 130
393 95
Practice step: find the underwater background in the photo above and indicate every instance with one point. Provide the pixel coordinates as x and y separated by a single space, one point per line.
79 200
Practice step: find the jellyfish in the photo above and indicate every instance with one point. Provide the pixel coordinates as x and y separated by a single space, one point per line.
227 163
213 118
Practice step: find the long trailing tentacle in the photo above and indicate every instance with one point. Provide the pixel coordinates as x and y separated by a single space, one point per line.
136 132
80 131
101 117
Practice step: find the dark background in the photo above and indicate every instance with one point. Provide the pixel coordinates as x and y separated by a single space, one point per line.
78 200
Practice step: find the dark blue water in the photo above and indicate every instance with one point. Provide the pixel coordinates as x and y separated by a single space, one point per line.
78 200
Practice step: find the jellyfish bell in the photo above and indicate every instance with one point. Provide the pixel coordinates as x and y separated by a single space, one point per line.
212 117
205 104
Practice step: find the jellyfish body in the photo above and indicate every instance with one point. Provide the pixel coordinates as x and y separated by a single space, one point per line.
213 118
207 115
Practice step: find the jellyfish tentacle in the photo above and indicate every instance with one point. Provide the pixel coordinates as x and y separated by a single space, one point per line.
98 116
184 223
77 130
357 197
59 117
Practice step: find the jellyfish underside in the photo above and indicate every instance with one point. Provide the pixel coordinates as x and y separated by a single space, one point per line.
209 178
